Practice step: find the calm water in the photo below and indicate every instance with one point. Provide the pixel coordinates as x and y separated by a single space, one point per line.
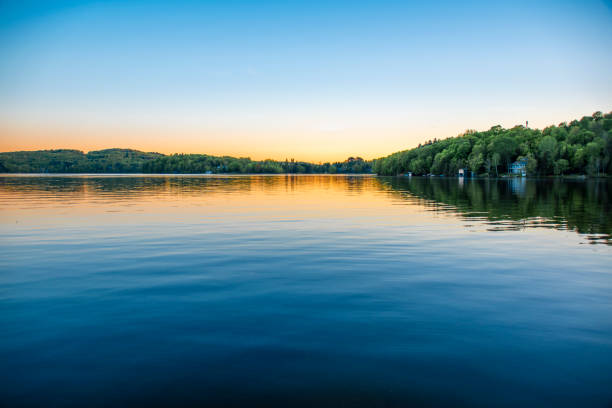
304 290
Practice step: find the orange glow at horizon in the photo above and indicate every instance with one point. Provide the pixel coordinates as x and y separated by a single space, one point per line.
303 141
299 144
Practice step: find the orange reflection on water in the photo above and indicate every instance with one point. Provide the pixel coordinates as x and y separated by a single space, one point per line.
99 199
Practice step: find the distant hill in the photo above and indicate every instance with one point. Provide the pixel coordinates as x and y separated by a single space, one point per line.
134 161
75 161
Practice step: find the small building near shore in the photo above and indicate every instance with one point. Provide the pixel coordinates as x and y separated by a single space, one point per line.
462 172
519 167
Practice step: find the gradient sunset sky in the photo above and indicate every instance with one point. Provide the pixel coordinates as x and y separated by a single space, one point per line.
311 80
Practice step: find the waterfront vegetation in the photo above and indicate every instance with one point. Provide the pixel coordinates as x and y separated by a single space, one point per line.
201 163
580 147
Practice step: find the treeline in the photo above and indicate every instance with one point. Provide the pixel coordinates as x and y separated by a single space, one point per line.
134 161
201 163
581 147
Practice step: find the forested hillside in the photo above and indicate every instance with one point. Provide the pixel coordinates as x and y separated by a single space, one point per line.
580 147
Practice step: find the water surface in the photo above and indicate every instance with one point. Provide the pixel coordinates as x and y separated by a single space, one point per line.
304 290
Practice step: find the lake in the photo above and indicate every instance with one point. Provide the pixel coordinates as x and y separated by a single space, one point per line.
311 290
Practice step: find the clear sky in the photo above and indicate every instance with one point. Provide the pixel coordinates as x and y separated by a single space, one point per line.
312 80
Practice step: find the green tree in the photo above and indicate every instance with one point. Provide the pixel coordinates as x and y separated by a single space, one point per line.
548 151
505 146
593 151
496 161
561 166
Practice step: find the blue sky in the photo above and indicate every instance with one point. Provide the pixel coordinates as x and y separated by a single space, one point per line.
310 80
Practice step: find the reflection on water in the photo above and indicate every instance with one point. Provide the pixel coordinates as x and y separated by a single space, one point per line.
304 291
516 204
95 187
500 205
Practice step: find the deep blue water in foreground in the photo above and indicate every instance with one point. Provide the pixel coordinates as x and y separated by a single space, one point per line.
304 291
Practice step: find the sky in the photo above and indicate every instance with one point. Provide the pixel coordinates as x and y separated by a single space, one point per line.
310 80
